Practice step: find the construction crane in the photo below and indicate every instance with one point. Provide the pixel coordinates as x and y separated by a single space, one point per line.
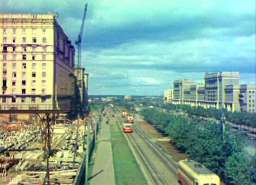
80 38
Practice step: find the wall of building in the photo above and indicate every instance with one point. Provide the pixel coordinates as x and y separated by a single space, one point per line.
220 90
36 62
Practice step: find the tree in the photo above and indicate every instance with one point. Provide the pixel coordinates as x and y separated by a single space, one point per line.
237 169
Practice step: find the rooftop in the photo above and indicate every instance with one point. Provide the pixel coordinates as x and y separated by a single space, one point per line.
197 167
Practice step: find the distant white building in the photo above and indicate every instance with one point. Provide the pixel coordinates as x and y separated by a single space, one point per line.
248 98
168 95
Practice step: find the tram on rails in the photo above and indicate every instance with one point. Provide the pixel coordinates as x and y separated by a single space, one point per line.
127 128
193 173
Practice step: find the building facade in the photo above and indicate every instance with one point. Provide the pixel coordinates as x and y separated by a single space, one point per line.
36 63
181 90
219 90
248 98
215 84
168 95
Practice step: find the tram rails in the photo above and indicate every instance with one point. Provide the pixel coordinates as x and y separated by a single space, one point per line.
158 169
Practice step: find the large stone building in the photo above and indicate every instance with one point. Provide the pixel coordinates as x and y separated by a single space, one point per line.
168 95
219 90
215 84
36 63
181 90
248 98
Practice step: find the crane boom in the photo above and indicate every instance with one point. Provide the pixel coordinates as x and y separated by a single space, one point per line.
80 37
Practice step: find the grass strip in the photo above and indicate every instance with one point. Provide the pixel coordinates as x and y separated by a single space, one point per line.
127 170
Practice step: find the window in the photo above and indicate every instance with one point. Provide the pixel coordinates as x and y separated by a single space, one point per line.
5 39
14 74
14 30
23 74
44 57
23 100
23 82
13 48
33 99
24 57
33 65
34 40
33 57
43 74
14 66
4 83
23 30
33 91
5 31
44 65
44 39
33 74
23 91
43 99
33 82
43 91
4 64
23 39
4 57
14 56
14 40
13 100
43 81
5 49
24 65
44 30
4 99
24 49
13 83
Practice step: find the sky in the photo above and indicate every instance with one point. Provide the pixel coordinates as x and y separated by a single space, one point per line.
138 47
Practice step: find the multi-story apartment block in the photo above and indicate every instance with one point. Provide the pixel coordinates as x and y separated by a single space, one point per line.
248 98
215 84
200 94
232 98
220 90
36 63
181 90
168 95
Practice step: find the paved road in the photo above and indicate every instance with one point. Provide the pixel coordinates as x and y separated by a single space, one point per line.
103 170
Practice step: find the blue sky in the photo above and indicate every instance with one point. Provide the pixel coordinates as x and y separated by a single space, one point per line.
138 47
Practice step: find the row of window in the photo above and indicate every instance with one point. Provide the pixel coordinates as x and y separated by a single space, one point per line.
25 57
24 65
23 30
23 82
24 40
14 74
23 100
23 48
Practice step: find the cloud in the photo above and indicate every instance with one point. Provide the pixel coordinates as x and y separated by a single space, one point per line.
140 47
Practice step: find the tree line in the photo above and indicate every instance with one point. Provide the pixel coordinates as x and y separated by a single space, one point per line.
239 118
203 142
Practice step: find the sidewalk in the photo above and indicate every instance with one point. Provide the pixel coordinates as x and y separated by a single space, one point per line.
103 170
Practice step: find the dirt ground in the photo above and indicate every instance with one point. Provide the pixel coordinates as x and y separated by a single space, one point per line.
164 141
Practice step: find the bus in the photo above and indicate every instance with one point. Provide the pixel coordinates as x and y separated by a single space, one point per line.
193 173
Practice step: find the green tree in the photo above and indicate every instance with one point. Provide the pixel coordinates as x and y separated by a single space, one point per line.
237 169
